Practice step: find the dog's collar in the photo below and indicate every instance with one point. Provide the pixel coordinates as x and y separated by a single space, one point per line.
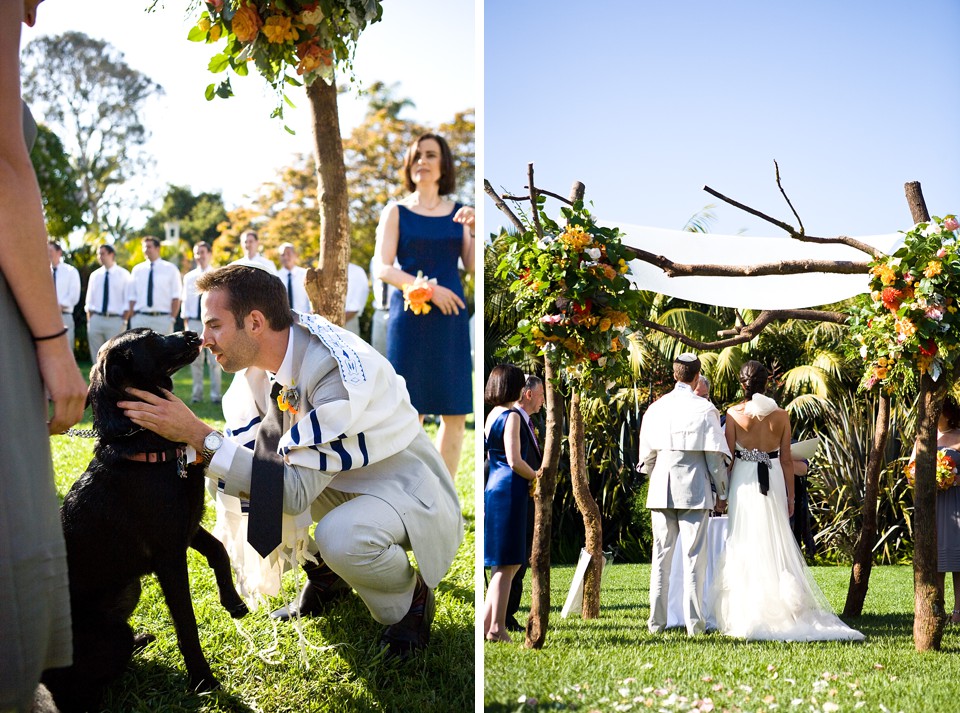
179 454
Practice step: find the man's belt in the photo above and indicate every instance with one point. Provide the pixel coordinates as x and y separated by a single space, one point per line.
66 311
108 314
153 314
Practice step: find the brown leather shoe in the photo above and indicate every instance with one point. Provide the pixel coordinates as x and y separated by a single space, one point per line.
412 633
323 587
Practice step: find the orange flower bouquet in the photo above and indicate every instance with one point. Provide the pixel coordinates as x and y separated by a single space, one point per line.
417 294
946 471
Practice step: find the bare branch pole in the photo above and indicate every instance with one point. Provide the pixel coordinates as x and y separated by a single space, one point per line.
747 332
786 197
795 234
504 208
790 267
534 208
541 192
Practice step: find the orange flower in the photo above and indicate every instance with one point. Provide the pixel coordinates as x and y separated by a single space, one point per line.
312 57
279 29
932 269
605 324
417 294
246 23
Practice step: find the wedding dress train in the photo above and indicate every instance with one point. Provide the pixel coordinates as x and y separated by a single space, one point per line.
763 588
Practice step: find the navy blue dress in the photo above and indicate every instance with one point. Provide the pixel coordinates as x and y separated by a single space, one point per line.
948 522
505 499
431 351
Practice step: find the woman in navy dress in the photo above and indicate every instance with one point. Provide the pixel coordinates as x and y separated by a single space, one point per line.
948 505
430 234
505 494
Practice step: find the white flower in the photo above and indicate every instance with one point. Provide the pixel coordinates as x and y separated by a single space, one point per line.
863 352
594 253
933 228
313 17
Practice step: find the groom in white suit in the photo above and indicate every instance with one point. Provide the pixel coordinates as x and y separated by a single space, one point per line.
683 451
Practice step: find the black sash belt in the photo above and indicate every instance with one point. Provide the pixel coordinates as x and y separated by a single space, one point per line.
763 465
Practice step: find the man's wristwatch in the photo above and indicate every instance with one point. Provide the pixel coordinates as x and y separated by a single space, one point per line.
211 444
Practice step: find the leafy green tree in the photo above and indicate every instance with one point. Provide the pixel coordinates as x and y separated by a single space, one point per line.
59 187
199 215
84 89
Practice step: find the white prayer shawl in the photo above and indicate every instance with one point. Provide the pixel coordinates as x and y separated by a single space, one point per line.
376 422
760 292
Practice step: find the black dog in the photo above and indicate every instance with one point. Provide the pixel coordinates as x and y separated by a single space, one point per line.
134 511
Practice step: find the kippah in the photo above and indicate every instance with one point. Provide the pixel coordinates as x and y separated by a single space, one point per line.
687 357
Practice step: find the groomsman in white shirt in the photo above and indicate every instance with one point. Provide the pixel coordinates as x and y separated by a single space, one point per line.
292 276
67 281
251 253
154 292
190 306
106 304
358 287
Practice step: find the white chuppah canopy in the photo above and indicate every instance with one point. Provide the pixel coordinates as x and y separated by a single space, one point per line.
761 292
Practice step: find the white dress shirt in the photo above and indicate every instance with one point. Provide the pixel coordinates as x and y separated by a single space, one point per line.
296 276
166 286
190 299
258 261
358 288
67 281
117 302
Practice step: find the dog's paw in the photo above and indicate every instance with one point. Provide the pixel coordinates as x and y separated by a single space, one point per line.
237 611
204 683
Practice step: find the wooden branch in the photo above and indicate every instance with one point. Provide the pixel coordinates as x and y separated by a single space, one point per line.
534 207
504 208
749 331
542 192
786 198
798 234
791 267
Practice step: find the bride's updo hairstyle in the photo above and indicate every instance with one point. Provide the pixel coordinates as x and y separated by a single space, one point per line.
753 378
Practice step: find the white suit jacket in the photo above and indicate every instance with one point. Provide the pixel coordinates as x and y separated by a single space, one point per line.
683 450
356 432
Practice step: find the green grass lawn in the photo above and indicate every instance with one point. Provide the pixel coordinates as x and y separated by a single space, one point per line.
261 666
614 664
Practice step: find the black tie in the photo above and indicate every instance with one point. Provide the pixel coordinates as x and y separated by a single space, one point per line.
106 292
199 302
265 527
290 288
150 287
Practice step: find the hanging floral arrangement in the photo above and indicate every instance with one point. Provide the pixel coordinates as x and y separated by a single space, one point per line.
290 42
575 298
909 324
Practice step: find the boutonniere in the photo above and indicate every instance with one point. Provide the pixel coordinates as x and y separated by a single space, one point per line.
289 400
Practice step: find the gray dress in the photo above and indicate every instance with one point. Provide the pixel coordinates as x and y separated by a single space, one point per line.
948 523
34 596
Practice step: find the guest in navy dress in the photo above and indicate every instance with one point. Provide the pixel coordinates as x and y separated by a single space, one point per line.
430 234
510 449
948 505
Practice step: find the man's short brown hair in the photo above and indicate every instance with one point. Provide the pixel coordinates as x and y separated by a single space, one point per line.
686 369
250 288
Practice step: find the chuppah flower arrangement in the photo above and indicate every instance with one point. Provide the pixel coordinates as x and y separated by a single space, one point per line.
909 323
572 289
289 41
946 471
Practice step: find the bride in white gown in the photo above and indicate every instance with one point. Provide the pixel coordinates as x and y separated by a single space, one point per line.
763 588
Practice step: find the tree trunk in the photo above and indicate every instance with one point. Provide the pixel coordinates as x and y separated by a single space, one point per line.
543 515
589 510
863 554
327 282
929 617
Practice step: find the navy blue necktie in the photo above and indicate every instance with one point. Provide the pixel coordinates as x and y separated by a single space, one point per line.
290 287
106 292
150 287
265 527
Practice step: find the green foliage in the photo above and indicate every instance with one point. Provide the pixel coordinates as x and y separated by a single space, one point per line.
263 668
571 286
86 92
290 42
59 184
614 664
199 215
909 324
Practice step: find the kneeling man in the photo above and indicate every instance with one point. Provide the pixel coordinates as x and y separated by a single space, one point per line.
319 426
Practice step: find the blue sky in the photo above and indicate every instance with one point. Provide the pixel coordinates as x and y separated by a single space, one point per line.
645 102
232 146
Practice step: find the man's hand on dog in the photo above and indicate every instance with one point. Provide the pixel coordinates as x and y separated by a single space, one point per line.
166 416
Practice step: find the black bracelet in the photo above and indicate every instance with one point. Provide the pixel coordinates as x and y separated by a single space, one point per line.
51 336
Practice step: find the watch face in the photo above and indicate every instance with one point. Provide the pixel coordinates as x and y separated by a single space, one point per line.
213 441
